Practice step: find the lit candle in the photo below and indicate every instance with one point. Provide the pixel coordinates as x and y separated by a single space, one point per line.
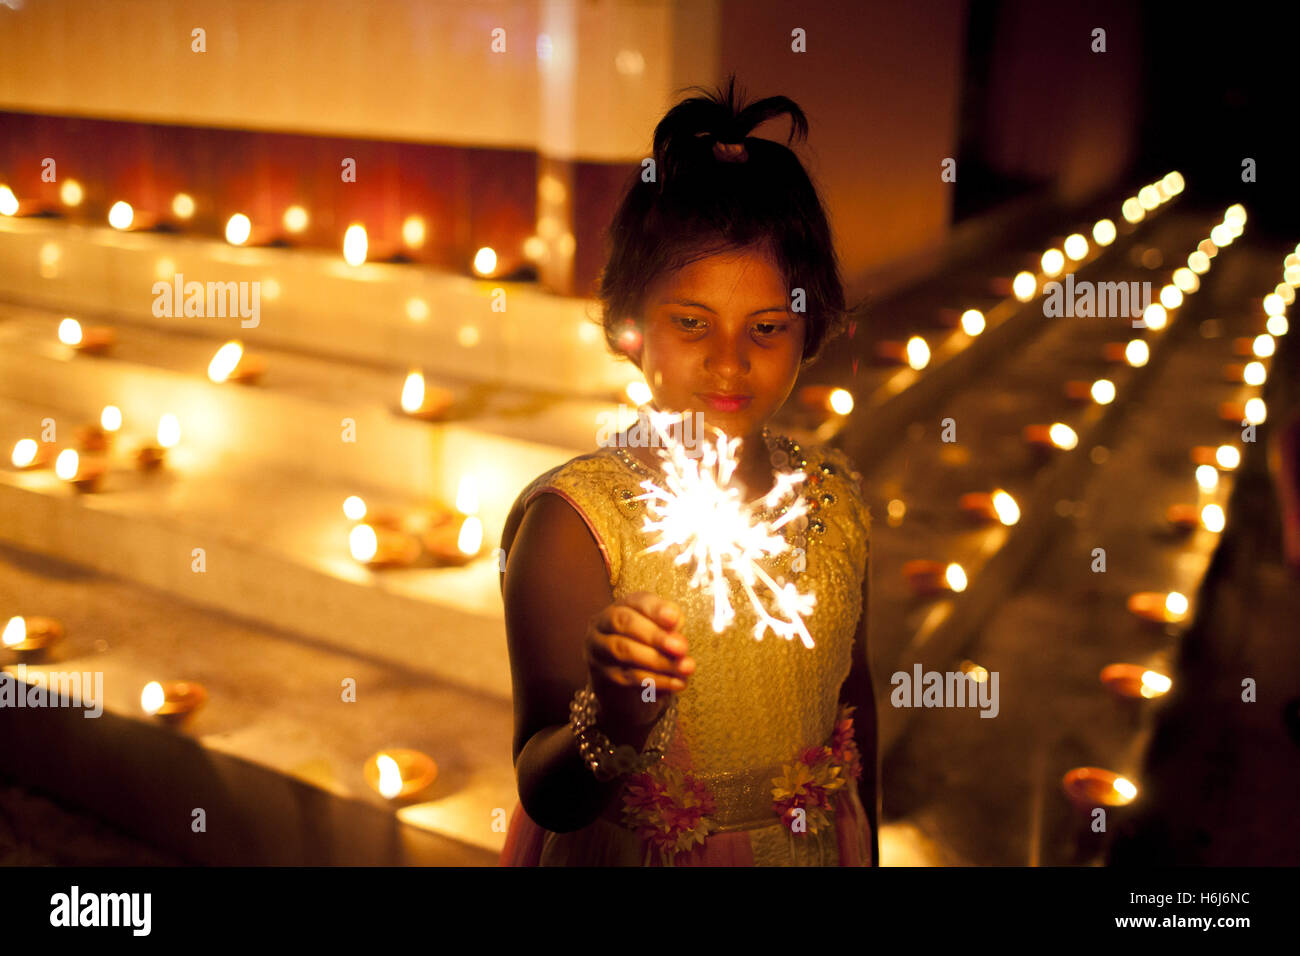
172 700
29 454
933 577
996 505
1087 787
169 434
380 547
99 437
1225 457
1056 435
83 473
95 340
421 401
1158 606
230 364
31 636
400 772
1135 681
826 399
914 352
452 539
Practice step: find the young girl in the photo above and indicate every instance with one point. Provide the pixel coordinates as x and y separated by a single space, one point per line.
641 736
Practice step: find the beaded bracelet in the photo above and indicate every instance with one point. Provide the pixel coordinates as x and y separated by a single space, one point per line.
606 760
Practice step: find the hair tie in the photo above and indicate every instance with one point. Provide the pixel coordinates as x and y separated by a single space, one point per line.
730 152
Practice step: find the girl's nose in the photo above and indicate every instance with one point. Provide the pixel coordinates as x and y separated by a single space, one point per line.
727 358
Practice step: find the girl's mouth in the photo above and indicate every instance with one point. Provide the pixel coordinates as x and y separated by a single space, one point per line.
725 403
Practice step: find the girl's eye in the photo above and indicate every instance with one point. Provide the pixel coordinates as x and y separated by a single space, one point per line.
683 319
776 329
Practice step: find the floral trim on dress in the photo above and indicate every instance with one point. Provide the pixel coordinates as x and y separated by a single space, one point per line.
672 811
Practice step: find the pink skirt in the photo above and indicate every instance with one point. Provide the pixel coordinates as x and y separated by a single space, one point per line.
605 843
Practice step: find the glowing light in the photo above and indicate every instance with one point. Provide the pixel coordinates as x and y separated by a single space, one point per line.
485 261
1103 233
121 215
1137 353
1052 262
1256 411
1264 345
363 542
24 453
15 632
238 228
468 336
1170 297
1227 457
354 508
8 201
1005 506
1254 373
295 219
1103 391
1148 198
1273 304
183 205
1221 236
841 401
71 193
390 776
1173 183
1292 276
918 353
1024 286
1132 210
1235 213
534 248
70 332
1155 316
1125 788
639 393
470 538
225 361
1207 477
701 514
169 431
955 577
972 322
1186 280
355 245
413 392
1076 246
1062 436
417 310
1198 262
1208 248
152 698
110 419
1154 684
65 466
1277 325
1176 603
413 232
1212 517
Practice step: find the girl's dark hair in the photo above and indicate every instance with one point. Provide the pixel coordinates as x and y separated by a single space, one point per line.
699 204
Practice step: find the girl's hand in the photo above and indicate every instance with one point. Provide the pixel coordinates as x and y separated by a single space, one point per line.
630 641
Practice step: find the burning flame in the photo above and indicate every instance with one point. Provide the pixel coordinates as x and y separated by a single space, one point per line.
702 514
15 632
390 776
152 697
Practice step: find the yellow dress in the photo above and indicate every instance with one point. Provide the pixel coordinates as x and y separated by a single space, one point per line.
752 707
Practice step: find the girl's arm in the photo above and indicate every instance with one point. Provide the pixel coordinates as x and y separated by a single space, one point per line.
859 691
555 583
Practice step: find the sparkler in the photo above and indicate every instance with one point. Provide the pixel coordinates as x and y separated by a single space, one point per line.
702 513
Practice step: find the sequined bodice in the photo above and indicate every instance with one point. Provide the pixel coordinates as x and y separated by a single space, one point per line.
751 704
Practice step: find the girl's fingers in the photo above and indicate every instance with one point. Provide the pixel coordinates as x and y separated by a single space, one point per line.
619 650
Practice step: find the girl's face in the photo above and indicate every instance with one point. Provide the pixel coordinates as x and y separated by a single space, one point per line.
722 325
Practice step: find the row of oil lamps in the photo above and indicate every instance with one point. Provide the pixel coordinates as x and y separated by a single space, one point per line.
241 231
393 773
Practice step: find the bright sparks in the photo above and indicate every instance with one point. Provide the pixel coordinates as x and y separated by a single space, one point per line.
702 514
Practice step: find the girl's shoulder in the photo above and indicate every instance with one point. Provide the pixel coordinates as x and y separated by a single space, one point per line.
831 470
